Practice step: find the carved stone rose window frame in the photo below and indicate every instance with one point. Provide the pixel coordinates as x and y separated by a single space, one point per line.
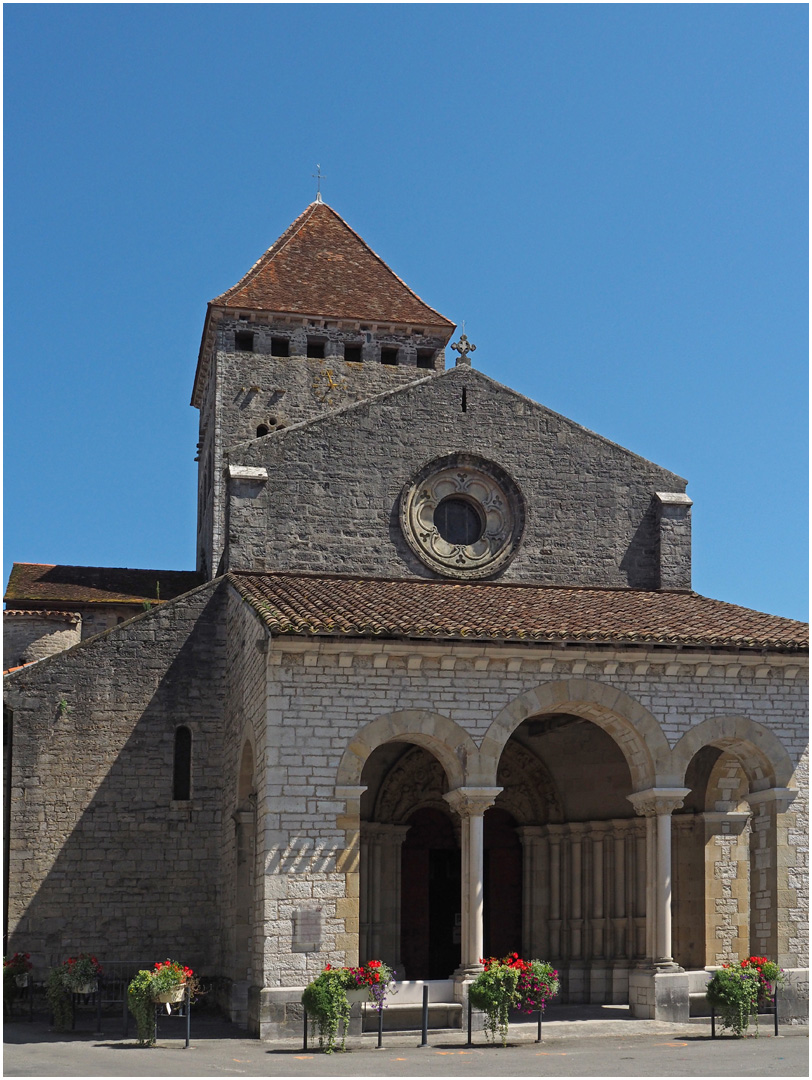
465 483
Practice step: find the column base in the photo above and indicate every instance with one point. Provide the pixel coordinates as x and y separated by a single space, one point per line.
655 994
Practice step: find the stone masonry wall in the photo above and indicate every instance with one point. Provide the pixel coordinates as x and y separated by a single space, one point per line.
322 694
34 636
249 389
331 502
102 859
242 855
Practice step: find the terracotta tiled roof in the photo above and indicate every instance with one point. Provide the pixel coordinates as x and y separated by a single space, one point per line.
43 613
362 607
320 266
31 583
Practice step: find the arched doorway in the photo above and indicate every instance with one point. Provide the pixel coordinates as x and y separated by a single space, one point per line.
565 793
711 862
410 864
430 896
503 884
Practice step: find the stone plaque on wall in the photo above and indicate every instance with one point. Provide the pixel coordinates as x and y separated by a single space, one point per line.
307 924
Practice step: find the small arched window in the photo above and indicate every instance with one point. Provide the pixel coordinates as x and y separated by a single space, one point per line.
263 429
182 774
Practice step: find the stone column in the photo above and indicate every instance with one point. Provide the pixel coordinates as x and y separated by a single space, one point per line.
772 889
535 890
619 833
555 836
657 805
471 803
599 944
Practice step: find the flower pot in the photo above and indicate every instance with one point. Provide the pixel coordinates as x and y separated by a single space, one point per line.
361 994
22 980
171 997
89 987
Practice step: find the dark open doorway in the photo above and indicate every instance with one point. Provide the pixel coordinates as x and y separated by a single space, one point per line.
430 892
503 884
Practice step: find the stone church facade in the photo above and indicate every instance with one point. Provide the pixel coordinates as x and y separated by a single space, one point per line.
439 688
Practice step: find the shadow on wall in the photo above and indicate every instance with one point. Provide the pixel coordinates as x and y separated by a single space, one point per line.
639 562
126 872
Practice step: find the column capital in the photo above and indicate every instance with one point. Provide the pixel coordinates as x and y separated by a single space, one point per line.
782 798
351 792
531 832
471 801
380 832
655 801
725 822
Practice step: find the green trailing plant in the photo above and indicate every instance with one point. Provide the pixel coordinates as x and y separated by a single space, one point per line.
148 986
325 999
142 1006
70 977
495 993
509 983
63 709
735 992
325 1002
59 1000
16 972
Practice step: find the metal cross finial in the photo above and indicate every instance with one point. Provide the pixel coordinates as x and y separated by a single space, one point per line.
463 347
318 177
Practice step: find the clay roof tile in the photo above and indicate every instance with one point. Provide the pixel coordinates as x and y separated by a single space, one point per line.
361 607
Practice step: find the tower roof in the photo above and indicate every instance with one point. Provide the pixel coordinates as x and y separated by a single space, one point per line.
320 266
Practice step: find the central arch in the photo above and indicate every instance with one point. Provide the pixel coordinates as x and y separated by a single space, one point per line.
629 724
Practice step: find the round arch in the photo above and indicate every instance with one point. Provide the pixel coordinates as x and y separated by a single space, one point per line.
762 754
632 727
447 741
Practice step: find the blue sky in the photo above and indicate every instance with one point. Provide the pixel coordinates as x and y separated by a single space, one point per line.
613 197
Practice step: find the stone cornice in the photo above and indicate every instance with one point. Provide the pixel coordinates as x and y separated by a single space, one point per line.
646 660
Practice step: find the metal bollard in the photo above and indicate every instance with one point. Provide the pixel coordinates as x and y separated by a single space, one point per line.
380 1027
425 1041
469 1043
188 1005
775 1008
538 1036
304 1038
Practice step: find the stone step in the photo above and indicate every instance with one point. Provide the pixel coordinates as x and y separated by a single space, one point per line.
409 1016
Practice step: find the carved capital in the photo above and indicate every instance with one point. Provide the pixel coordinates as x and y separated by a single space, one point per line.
656 801
470 801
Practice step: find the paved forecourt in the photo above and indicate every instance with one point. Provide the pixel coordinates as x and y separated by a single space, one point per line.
568 1048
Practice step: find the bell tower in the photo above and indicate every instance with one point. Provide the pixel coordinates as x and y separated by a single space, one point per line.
320 321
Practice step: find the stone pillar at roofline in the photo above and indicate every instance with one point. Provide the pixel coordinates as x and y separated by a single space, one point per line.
673 511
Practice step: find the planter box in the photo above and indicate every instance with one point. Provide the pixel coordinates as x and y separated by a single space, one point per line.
22 980
171 997
357 995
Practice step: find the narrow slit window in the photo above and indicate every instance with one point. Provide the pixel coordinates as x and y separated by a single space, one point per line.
182 775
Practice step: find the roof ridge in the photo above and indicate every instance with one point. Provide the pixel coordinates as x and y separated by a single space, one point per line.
270 254
279 245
